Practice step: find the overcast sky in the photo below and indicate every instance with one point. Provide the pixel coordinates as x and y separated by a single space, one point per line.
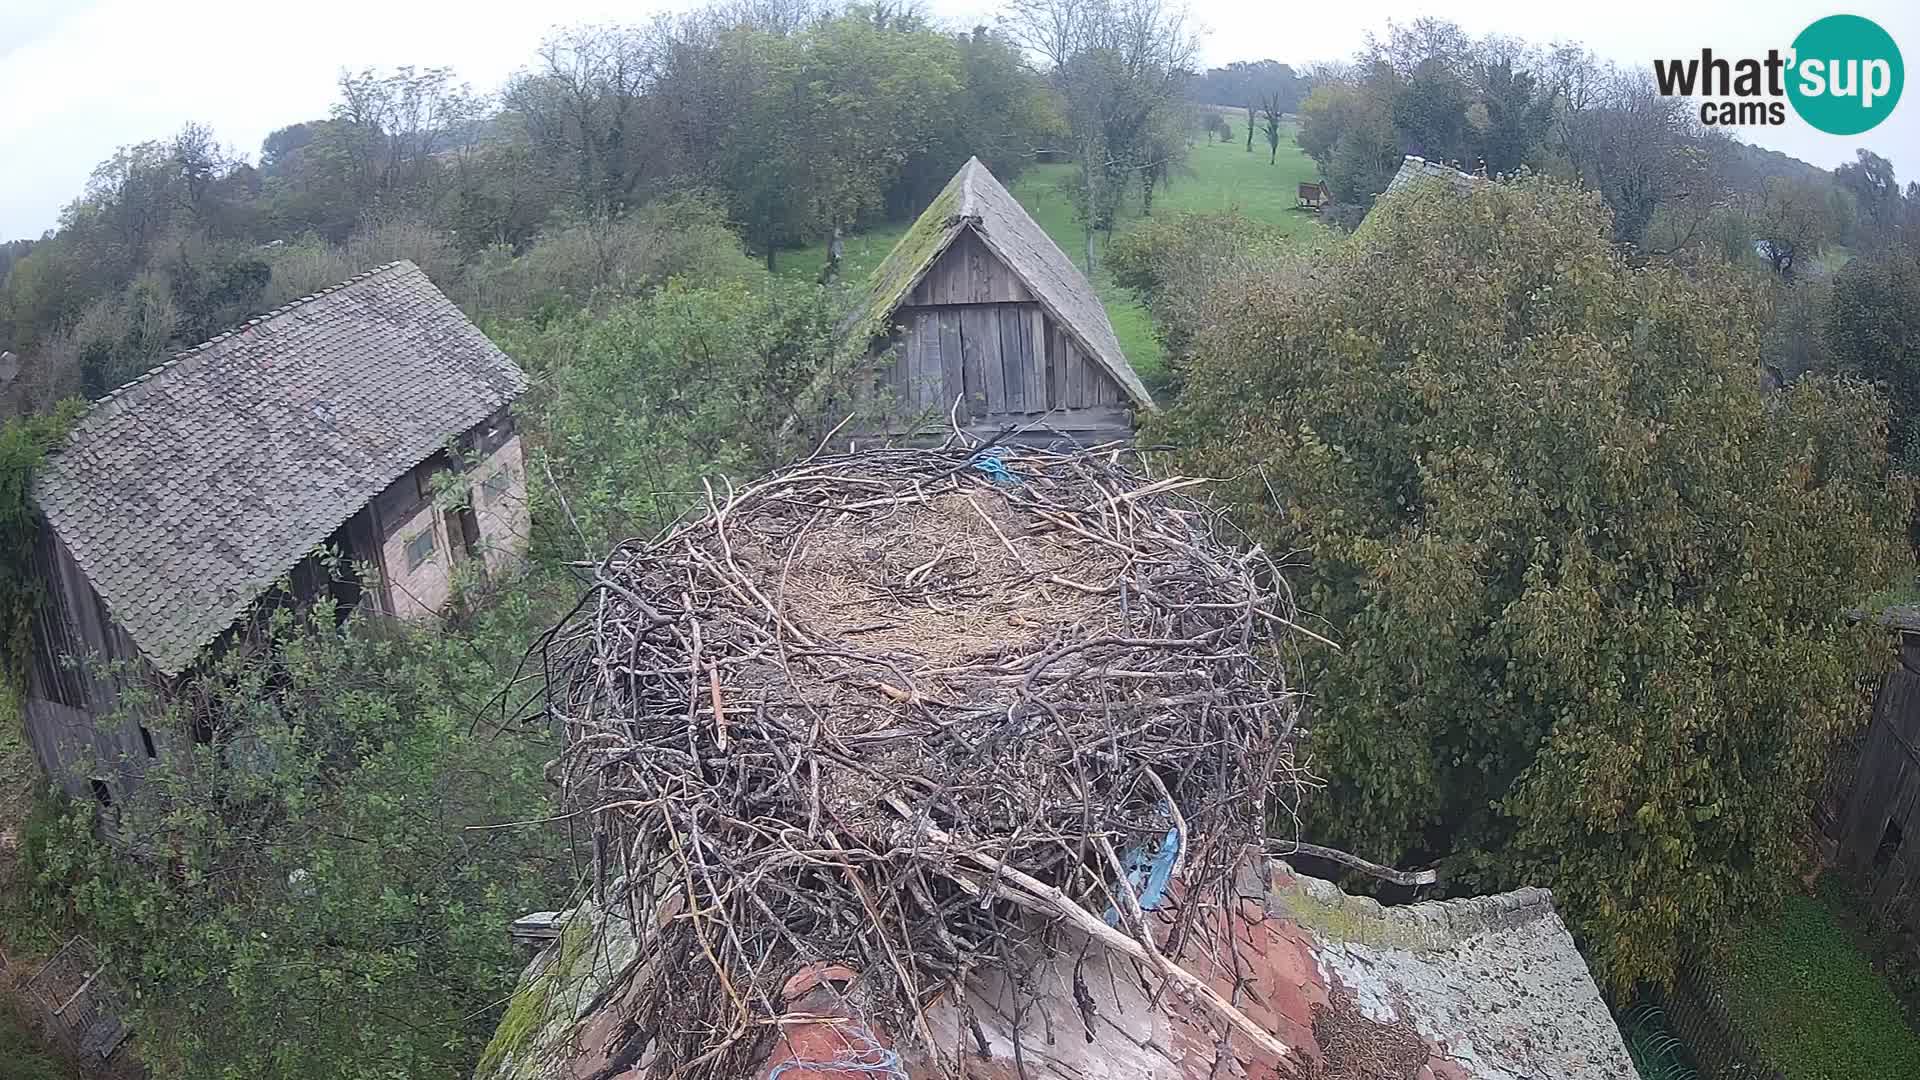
80 77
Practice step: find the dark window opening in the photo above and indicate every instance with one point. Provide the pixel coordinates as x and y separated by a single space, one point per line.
1889 846
469 529
420 548
424 473
495 487
101 793
146 740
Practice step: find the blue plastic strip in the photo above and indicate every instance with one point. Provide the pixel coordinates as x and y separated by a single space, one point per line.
1149 876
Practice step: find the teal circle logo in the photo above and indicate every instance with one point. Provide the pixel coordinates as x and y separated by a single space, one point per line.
1846 74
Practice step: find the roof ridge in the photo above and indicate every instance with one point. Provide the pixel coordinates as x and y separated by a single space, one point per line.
969 197
225 335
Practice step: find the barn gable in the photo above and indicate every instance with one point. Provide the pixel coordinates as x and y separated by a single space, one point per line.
983 307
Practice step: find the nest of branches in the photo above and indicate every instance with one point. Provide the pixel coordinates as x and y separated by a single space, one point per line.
915 712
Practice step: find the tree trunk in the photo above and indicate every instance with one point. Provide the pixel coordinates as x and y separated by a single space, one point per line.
836 248
1249 129
1089 249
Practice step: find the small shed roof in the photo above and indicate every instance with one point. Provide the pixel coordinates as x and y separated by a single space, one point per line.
188 492
1414 168
975 200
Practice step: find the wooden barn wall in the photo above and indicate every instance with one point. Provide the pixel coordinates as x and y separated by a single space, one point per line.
70 695
81 658
968 273
972 330
1878 824
1010 362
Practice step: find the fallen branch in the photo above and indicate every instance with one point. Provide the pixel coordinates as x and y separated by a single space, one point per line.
1372 869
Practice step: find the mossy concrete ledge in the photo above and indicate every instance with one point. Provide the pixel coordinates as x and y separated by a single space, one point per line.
1429 925
565 982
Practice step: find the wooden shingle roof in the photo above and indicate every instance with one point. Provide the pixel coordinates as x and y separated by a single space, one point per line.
188 492
975 200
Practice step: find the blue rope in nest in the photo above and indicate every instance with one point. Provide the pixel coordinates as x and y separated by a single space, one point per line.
989 461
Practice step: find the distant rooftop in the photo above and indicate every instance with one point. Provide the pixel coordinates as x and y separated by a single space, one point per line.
1414 168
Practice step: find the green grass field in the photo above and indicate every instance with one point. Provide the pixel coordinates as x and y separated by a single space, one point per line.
1801 989
1219 177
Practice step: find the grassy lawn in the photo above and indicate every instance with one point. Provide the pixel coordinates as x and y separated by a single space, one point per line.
18 775
1219 177
1800 988
22 1055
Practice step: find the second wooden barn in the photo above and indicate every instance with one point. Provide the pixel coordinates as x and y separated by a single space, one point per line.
981 307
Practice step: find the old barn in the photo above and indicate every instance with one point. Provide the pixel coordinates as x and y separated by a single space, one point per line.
978 305
369 419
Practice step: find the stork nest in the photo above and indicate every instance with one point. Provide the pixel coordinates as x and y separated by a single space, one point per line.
905 711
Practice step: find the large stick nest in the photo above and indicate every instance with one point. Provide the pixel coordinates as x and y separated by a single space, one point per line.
903 710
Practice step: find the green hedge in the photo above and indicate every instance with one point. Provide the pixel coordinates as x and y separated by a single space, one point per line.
1798 988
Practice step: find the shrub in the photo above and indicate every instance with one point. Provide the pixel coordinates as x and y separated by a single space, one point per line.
299 894
601 261
691 382
1174 262
310 264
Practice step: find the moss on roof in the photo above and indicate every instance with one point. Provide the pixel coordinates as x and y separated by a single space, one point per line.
932 231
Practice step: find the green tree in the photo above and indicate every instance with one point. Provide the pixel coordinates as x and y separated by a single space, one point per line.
1347 128
1792 223
1872 330
1587 577
692 381
1120 68
1430 112
300 892
1876 191
1270 125
845 105
1511 119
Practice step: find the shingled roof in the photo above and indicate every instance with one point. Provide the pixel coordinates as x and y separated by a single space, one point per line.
1481 988
1414 168
975 199
188 492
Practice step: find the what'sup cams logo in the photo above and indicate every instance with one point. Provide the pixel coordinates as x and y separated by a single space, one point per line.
1843 75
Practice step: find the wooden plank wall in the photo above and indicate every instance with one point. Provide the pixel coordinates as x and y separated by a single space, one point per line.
1886 787
1006 360
968 273
70 695
82 659
971 329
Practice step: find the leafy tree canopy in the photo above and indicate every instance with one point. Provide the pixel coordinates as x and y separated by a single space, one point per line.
298 893
1586 576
